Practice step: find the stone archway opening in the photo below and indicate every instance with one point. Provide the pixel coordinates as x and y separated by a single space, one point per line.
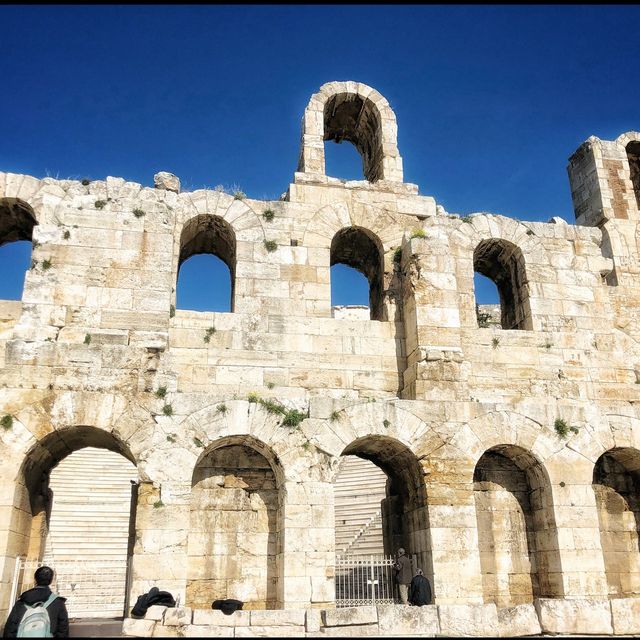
397 487
352 118
236 532
503 263
517 536
17 221
361 250
211 241
74 510
616 484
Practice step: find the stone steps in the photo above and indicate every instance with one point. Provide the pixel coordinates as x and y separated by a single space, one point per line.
359 488
90 524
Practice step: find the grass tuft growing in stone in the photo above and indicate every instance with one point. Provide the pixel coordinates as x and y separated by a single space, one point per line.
87 338
67 234
270 385
386 424
6 422
138 213
397 255
335 416
253 397
269 215
563 429
46 264
167 410
495 342
100 204
208 333
172 310
293 418
86 182
161 392
222 408
418 233
198 442
239 195
270 245
171 437
158 504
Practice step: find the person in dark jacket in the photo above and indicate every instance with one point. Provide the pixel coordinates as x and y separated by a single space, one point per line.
403 575
58 616
419 590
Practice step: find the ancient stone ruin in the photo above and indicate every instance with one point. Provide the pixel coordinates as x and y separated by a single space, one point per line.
506 451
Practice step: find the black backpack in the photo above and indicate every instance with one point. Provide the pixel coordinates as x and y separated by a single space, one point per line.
154 596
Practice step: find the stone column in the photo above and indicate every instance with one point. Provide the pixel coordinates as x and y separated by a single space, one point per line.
160 551
306 558
457 574
432 320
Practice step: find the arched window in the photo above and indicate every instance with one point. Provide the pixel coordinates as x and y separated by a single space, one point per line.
343 161
16 230
206 265
502 262
633 155
360 250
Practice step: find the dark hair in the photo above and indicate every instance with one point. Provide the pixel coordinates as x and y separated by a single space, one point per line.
43 576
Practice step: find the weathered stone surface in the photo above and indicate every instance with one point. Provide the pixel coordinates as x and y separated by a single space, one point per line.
257 631
155 612
625 616
468 619
138 627
521 620
208 631
349 616
177 616
403 620
356 631
584 616
166 180
278 618
217 618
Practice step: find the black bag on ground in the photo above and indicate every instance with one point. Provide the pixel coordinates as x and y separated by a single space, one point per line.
154 596
227 606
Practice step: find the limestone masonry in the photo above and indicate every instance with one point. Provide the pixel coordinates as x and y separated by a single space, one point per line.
511 445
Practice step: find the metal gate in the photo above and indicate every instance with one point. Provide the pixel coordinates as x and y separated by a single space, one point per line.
363 580
93 588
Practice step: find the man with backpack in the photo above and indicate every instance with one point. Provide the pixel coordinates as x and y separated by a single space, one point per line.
38 612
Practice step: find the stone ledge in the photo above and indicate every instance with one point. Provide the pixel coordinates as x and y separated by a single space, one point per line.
587 616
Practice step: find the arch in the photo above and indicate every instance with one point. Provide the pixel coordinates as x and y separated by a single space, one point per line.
517 536
354 112
503 262
616 485
209 234
362 250
236 531
404 512
17 220
633 157
33 500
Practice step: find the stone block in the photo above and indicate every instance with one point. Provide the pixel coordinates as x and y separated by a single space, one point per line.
586 616
208 631
177 617
216 617
399 619
277 617
313 620
138 627
625 615
257 631
521 620
355 631
167 181
468 619
155 612
349 616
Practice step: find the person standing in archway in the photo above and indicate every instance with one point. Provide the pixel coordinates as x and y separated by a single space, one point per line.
404 575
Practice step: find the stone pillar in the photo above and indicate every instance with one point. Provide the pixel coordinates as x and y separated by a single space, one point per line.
457 574
306 559
432 320
581 572
160 552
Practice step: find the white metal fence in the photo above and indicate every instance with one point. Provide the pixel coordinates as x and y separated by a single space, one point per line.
363 580
93 588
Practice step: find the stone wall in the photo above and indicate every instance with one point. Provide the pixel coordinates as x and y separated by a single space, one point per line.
543 616
95 354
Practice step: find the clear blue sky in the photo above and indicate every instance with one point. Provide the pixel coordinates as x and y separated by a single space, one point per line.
490 100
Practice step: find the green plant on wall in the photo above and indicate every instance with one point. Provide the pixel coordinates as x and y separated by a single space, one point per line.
6 422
